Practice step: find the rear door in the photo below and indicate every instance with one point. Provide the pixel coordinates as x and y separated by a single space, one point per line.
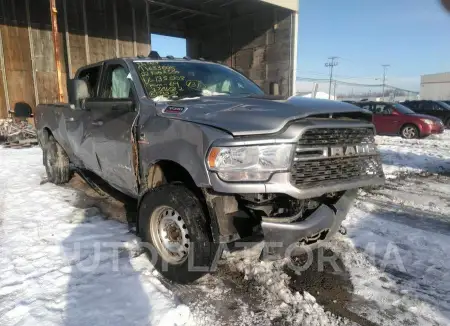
425 107
112 117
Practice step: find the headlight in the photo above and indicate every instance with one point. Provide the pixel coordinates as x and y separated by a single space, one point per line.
249 163
428 121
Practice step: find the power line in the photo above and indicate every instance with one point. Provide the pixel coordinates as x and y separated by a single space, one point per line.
345 83
331 64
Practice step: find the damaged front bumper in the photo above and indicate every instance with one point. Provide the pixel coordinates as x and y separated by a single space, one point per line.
283 239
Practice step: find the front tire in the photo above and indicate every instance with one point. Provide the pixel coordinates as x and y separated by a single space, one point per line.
410 132
174 227
56 162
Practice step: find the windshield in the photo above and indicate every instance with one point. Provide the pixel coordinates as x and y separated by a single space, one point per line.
444 105
403 109
174 80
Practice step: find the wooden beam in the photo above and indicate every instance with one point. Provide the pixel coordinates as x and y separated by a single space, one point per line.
33 61
133 19
86 34
116 28
2 67
66 28
54 17
147 10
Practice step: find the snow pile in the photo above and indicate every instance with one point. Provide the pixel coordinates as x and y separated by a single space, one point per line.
402 156
296 308
62 265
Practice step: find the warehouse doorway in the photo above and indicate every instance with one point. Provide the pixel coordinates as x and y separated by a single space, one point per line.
169 45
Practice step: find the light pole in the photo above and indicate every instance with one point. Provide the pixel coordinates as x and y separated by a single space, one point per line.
384 77
331 64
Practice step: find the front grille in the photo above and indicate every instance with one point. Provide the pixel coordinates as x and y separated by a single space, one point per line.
337 136
311 173
320 171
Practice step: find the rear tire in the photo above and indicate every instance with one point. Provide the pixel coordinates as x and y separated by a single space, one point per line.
176 231
410 132
56 162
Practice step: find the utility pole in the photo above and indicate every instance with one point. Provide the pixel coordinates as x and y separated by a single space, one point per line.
334 92
384 78
331 63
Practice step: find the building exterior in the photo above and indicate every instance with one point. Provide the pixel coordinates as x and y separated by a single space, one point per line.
435 86
256 37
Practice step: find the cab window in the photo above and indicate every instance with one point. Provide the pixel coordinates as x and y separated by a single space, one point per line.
92 77
116 84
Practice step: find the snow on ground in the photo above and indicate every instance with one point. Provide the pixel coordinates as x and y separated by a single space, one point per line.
400 155
49 271
398 244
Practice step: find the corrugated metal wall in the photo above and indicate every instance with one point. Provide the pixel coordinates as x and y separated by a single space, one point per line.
90 31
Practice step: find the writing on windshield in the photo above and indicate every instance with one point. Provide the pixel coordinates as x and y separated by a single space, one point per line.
177 79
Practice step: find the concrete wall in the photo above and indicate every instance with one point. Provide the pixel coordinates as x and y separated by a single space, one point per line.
90 31
435 87
259 43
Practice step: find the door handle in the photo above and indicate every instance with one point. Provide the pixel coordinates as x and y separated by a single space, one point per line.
71 119
97 123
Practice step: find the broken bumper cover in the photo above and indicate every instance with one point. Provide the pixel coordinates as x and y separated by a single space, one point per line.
284 238
281 183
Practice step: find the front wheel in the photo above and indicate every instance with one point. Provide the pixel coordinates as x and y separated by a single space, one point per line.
176 233
410 132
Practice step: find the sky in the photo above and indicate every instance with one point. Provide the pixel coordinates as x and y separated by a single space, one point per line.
412 36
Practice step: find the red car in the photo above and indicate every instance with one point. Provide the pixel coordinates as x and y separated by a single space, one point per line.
397 119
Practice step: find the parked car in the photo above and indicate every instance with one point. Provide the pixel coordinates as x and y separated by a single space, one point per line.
397 119
208 156
438 109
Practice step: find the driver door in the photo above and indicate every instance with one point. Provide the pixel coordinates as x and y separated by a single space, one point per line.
386 122
113 115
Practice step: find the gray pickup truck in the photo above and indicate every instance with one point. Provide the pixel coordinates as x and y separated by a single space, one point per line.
210 158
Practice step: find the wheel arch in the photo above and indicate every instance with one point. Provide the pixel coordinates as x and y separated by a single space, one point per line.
164 172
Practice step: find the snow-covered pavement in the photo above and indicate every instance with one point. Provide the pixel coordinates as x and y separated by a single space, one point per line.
63 265
49 274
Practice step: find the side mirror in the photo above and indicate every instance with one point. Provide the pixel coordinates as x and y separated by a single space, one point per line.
78 92
394 112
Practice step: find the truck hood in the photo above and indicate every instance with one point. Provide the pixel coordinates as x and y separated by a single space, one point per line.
251 115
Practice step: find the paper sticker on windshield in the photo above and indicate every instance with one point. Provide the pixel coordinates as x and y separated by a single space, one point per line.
174 109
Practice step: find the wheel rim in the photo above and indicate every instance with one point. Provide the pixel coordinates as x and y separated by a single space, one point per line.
409 132
169 234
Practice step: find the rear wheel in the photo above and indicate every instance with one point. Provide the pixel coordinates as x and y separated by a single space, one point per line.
410 132
56 162
175 229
